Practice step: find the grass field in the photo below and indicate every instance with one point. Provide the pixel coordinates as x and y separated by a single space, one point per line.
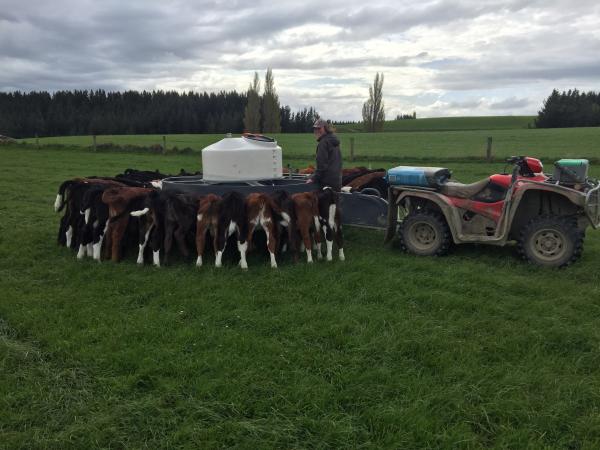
386 350
548 144
451 124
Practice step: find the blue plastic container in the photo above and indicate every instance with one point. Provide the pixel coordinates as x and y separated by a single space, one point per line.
418 176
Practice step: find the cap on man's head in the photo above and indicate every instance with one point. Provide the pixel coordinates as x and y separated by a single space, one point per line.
319 123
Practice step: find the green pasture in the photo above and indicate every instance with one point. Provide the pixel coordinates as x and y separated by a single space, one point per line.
451 124
549 144
385 350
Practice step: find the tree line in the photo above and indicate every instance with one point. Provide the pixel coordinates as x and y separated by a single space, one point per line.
570 109
82 112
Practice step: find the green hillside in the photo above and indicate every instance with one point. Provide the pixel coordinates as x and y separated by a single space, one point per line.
552 143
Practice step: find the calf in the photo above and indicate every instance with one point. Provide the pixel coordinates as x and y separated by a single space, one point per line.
151 225
165 216
121 201
232 220
59 203
179 220
307 171
371 180
306 218
207 223
70 198
262 212
287 225
95 213
330 219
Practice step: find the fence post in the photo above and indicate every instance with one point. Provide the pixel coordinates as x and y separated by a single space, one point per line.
164 144
351 149
488 152
94 142
37 141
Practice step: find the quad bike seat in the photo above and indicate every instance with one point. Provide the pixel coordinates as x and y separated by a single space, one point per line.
460 190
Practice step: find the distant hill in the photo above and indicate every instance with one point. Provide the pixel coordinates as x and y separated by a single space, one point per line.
449 124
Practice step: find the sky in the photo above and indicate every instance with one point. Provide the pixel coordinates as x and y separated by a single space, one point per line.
439 58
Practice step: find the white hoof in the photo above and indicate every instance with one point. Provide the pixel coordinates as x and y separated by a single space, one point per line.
309 258
97 252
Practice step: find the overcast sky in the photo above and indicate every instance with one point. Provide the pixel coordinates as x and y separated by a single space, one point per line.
439 58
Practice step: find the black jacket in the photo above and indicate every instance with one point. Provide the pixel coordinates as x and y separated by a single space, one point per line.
329 162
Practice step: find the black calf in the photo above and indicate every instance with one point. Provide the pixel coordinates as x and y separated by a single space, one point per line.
287 225
232 220
180 221
330 218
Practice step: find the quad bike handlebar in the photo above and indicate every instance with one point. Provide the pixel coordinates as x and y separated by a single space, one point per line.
518 168
514 159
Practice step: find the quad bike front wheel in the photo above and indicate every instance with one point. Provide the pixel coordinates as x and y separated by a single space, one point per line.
551 241
425 233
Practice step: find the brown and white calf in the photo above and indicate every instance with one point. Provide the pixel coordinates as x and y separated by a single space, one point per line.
207 223
263 213
306 218
120 201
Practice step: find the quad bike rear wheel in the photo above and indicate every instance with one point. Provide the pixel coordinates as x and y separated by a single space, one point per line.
425 233
551 241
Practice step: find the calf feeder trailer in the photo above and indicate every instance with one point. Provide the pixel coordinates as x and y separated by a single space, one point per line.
253 163
547 215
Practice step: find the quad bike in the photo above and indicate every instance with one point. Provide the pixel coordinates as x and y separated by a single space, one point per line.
546 215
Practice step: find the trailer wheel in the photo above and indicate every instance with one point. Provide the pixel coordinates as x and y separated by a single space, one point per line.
425 233
551 241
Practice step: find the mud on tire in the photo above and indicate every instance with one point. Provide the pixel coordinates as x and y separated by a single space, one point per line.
425 233
551 241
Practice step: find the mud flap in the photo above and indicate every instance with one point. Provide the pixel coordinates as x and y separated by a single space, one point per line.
362 210
392 216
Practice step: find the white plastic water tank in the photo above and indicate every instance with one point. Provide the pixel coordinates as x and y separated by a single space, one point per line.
243 158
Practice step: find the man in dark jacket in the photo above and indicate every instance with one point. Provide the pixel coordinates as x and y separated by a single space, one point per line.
329 157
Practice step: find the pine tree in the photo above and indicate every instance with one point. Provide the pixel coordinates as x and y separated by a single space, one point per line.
373 109
252 110
270 106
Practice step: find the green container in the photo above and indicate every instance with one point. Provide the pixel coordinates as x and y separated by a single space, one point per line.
572 162
571 171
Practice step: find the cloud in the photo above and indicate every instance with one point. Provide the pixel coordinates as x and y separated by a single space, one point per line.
510 103
438 56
